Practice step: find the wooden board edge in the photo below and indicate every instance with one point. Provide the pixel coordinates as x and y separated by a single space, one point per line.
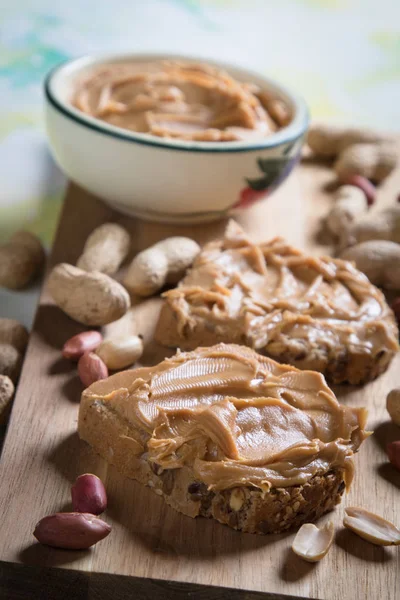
21 582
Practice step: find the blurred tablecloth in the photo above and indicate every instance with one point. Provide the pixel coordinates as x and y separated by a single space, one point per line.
343 56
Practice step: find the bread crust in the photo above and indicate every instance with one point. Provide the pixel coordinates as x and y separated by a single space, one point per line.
339 366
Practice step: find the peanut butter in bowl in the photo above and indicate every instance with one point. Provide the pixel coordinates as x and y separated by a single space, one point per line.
168 138
180 100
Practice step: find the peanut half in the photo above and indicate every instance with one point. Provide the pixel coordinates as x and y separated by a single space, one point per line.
89 495
73 531
371 527
87 341
312 543
91 368
121 352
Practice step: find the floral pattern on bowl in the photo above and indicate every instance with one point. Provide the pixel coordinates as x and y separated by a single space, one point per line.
273 172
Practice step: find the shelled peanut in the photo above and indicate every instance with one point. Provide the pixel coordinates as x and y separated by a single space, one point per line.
120 352
393 452
82 528
88 494
71 531
80 348
96 355
86 341
371 527
312 543
91 368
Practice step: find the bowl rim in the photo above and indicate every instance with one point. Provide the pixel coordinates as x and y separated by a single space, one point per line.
297 127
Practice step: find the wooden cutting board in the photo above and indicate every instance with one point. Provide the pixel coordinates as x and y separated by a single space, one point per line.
163 554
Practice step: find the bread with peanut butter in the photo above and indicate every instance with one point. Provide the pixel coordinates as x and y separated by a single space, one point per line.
314 313
224 432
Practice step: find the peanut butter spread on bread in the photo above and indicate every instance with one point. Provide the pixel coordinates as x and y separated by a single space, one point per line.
175 100
319 313
235 418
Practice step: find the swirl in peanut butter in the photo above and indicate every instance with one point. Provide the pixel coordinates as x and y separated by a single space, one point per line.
319 313
234 417
179 100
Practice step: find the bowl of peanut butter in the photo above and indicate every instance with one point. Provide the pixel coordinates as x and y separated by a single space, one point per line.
172 139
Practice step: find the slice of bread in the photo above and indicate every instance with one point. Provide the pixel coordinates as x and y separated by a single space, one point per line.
314 313
226 433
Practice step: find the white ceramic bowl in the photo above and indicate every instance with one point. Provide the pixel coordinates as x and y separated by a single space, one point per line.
161 179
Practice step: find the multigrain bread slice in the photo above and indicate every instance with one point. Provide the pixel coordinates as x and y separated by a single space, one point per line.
314 313
226 433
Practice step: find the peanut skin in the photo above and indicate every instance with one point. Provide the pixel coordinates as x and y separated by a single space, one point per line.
72 531
91 368
363 184
89 495
393 452
87 341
